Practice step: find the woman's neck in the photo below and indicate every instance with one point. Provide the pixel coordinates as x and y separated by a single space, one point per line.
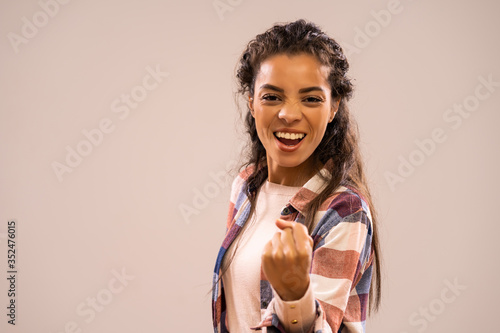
292 176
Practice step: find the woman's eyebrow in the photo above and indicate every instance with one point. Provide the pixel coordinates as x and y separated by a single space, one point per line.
309 89
271 87
301 91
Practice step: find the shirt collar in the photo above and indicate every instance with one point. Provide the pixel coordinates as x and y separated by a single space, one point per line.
311 188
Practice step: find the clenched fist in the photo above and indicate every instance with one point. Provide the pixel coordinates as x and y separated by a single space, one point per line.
286 260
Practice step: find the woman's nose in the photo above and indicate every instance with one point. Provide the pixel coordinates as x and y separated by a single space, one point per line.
290 112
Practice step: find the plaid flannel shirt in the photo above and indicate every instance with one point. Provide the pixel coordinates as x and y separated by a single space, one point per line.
341 267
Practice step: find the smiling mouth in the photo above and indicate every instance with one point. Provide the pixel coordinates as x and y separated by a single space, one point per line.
289 139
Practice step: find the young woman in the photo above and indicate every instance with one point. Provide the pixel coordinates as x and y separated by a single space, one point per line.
301 248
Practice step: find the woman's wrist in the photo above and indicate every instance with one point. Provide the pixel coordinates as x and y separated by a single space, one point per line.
293 293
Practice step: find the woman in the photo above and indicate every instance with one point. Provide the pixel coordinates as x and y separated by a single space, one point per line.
301 248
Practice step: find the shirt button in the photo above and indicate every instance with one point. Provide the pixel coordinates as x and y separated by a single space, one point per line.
295 321
292 306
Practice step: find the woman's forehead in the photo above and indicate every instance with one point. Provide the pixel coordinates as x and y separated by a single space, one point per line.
292 71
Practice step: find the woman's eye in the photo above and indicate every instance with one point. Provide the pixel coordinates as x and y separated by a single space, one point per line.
271 98
312 99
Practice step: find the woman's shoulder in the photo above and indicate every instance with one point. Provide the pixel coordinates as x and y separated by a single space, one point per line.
243 174
346 209
346 200
246 172
239 180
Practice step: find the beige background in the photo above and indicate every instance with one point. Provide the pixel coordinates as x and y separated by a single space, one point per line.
120 207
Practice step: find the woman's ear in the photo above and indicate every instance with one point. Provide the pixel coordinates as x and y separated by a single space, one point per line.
250 105
335 108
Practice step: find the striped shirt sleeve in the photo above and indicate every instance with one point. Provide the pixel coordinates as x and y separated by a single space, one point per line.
339 272
296 316
236 188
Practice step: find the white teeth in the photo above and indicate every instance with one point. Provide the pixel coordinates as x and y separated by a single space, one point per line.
292 136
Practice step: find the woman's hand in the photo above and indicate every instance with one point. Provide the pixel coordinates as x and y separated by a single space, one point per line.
286 260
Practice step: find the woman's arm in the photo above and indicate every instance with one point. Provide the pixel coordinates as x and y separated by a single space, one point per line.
286 260
340 273
296 316
341 265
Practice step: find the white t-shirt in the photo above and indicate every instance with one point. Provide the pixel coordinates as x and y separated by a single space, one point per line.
242 279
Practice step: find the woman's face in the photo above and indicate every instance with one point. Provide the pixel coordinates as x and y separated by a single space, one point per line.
292 106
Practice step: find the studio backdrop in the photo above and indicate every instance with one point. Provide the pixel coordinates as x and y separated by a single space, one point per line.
120 135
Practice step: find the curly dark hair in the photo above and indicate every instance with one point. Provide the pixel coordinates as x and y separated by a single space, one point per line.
340 141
